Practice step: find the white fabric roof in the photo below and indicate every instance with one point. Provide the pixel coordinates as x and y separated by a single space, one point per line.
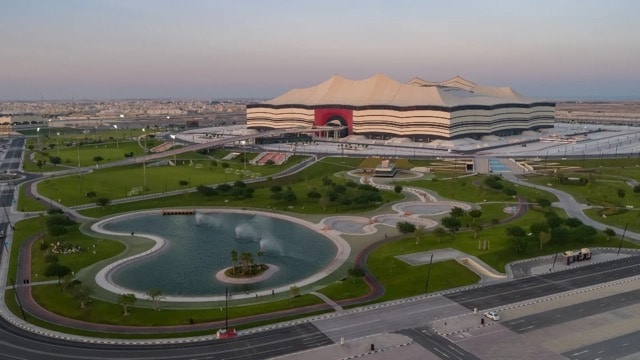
382 90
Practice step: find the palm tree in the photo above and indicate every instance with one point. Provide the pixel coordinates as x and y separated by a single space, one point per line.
234 260
246 258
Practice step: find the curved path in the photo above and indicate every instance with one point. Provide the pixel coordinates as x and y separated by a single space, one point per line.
569 204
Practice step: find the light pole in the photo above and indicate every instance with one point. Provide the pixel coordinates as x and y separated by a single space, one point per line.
144 165
78 151
38 139
173 137
116 126
49 128
58 143
244 154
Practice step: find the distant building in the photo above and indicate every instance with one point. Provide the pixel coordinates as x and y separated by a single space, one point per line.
381 108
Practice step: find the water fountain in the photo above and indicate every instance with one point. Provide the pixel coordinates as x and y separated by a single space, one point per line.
199 246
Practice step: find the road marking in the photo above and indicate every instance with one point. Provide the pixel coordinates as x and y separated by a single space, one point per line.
579 353
441 352
526 328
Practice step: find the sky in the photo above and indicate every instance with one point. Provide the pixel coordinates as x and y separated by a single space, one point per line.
117 49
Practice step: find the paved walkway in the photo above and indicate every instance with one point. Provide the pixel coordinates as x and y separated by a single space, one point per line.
324 298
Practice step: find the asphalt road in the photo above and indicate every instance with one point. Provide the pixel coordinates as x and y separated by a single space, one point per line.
574 312
438 345
617 348
18 344
502 294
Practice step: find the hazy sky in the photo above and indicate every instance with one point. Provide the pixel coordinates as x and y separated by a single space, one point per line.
108 49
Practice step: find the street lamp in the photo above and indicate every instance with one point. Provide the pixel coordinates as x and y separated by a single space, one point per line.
244 154
58 143
116 126
173 137
144 165
38 138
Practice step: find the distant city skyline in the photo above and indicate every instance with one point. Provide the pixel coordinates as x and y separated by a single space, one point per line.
119 49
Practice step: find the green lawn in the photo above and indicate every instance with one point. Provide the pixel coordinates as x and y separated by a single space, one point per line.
26 203
472 189
117 182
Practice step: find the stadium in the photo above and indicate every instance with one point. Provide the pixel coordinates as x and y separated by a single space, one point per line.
382 108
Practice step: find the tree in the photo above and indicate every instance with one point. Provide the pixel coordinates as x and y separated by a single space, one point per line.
621 193
405 227
155 295
397 189
55 160
246 258
439 233
543 202
573 222
39 164
103 201
91 194
234 260
295 291
313 194
31 147
456 212
355 272
183 182
82 293
97 159
289 196
51 259
418 232
515 231
57 231
636 189
544 237
126 300
518 238
451 223
58 270
610 233
476 229
474 213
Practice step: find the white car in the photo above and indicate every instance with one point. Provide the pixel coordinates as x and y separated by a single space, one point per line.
492 315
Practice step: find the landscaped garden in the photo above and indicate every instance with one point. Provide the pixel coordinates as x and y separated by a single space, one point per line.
323 188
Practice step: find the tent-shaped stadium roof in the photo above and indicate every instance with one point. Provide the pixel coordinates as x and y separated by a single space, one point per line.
382 90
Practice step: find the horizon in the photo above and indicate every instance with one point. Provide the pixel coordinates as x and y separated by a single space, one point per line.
198 50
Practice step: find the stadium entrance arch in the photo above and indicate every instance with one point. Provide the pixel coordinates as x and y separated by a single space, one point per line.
335 117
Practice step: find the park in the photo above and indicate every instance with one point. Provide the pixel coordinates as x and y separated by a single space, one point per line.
434 205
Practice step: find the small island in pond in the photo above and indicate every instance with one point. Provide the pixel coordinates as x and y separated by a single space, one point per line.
244 270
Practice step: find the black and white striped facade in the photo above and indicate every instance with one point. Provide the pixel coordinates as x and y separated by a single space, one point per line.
379 107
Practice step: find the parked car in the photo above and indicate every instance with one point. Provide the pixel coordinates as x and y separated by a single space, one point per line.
493 315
